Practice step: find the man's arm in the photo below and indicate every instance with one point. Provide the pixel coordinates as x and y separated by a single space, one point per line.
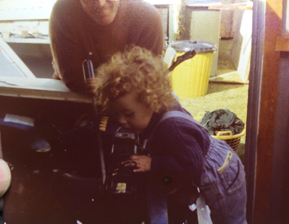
66 53
151 36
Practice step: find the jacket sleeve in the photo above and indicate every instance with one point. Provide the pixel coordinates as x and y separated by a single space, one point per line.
179 149
67 56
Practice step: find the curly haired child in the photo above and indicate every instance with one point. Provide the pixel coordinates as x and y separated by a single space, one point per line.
134 86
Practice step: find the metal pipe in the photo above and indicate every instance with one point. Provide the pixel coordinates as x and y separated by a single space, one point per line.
89 73
254 94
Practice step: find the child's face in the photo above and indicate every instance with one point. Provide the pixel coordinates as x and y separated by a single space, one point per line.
131 113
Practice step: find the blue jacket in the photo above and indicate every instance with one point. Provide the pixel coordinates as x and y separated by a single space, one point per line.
178 147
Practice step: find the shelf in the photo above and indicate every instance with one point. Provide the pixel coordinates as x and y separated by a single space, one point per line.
39 89
27 40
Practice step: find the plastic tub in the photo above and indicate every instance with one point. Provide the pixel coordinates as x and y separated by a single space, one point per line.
191 77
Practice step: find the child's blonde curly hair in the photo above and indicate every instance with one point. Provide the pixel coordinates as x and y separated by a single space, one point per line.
136 69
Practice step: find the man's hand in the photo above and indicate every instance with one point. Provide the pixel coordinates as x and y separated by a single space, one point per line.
91 86
142 163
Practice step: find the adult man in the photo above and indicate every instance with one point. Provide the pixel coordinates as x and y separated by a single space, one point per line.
96 29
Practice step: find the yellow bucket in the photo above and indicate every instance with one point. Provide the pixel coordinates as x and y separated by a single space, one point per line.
191 77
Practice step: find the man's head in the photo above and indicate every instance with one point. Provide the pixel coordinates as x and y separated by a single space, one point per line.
102 12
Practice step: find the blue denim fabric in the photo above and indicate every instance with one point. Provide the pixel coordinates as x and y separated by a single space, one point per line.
224 190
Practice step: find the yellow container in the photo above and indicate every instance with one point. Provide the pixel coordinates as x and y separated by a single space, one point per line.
231 140
191 77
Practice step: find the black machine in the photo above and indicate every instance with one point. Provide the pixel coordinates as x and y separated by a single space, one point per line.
121 179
